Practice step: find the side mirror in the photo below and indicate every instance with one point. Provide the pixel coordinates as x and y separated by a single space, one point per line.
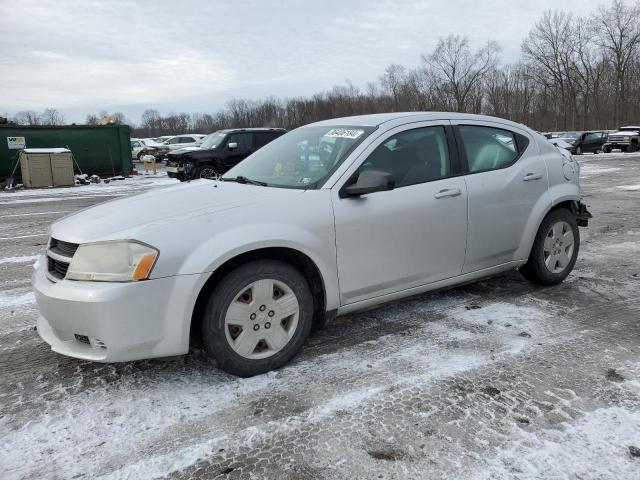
369 181
232 146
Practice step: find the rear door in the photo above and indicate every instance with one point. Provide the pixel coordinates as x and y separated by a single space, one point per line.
505 177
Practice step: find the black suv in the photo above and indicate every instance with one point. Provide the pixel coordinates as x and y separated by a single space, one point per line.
218 152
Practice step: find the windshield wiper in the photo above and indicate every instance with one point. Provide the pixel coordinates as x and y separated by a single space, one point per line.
243 179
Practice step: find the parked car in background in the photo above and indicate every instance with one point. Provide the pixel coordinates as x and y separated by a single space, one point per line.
585 142
328 219
147 146
163 138
218 152
627 139
186 140
560 143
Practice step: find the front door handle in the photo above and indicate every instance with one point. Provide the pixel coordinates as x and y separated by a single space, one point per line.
532 176
448 192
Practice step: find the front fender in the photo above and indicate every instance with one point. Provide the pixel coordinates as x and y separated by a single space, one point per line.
222 247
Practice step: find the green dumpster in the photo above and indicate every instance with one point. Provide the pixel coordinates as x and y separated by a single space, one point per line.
98 150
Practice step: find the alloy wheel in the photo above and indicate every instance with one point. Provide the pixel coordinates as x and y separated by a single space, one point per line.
558 247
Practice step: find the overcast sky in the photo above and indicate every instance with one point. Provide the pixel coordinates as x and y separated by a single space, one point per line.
85 56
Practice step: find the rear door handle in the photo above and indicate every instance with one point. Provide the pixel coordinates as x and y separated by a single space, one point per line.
448 192
532 176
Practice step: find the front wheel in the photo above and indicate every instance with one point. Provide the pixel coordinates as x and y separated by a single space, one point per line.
205 172
555 249
257 317
606 149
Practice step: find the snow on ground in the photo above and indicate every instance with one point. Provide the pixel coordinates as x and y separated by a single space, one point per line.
15 300
589 170
161 409
113 188
629 188
569 452
22 259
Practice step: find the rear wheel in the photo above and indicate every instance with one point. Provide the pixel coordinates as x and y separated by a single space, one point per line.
555 249
257 317
578 150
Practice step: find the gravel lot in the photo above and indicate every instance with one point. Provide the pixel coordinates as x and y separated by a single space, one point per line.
494 380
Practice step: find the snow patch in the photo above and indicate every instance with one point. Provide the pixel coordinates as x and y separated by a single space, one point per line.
18 259
16 300
588 170
596 446
629 188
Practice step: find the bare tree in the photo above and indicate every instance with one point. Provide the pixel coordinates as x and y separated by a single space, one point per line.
27 117
51 116
461 70
618 35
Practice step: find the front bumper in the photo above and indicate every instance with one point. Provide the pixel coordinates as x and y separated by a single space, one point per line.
115 322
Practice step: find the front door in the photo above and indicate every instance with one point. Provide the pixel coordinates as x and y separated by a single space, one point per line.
243 148
409 236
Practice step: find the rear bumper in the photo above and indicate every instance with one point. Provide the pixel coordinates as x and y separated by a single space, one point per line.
115 322
582 215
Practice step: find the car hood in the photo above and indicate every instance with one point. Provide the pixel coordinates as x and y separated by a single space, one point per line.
138 216
181 150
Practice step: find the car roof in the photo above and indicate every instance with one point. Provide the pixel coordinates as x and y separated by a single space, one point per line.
252 129
377 119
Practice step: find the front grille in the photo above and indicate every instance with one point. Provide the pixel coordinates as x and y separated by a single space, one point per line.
63 248
59 257
616 138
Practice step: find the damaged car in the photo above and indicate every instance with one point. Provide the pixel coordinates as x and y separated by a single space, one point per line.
330 218
218 152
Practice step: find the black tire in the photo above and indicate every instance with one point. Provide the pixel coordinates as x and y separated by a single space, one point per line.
198 172
606 149
578 150
213 324
624 149
535 269
632 148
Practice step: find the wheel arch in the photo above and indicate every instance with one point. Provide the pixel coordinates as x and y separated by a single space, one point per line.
569 202
297 259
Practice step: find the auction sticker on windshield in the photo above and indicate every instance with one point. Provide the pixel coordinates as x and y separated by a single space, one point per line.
344 133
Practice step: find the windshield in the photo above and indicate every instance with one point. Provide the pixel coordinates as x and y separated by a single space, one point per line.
571 135
302 158
212 140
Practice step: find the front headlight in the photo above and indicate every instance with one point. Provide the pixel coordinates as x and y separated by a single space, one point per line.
112 261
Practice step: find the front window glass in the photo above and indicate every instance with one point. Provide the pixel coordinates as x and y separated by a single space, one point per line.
413 156
212 140
302 158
